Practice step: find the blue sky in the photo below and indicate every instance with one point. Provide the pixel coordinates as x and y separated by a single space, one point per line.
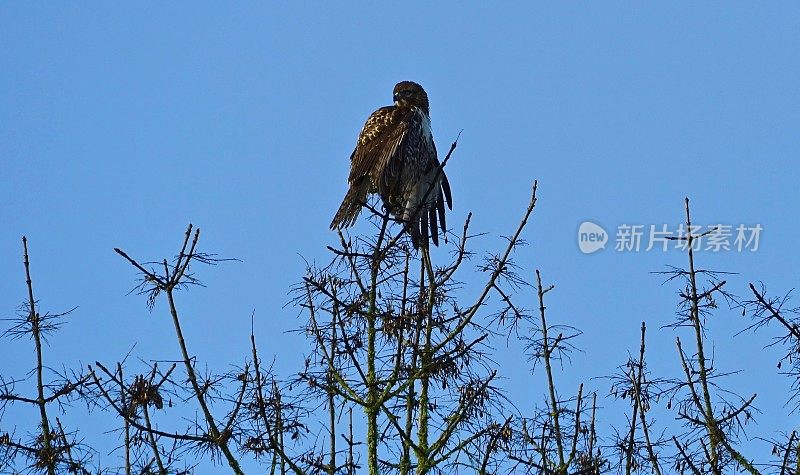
121 124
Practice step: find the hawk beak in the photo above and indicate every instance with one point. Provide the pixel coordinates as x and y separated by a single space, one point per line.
396 97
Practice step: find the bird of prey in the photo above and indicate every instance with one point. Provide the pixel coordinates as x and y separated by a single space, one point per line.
395 157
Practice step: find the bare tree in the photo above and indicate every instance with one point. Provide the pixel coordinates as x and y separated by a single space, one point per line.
394 341
49 448
776 313
399 376
714 418
639 447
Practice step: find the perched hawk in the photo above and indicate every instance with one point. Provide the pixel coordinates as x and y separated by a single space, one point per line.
395 157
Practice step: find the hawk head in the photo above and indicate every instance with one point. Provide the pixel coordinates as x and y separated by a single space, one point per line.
410 94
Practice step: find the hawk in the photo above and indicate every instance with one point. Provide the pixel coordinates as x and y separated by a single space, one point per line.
395 157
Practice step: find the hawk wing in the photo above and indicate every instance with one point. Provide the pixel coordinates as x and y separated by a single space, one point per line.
379 140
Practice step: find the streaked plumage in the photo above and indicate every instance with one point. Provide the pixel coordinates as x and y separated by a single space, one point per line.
395 157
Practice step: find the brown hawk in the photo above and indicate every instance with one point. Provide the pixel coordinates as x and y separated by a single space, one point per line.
395 157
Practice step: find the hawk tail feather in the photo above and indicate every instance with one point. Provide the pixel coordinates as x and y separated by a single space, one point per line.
425 229
351 205
446 189
442 222
434 225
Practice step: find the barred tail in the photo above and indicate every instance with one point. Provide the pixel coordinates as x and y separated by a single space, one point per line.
351 205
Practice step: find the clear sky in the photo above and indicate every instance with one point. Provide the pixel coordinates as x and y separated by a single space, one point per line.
120 124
